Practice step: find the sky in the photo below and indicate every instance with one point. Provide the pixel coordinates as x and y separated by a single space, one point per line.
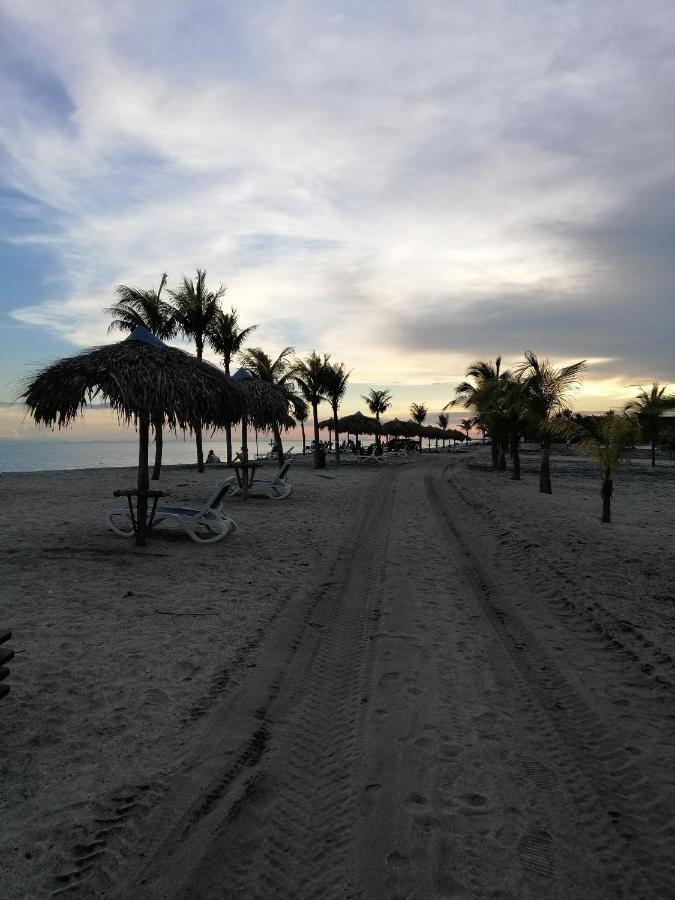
407 186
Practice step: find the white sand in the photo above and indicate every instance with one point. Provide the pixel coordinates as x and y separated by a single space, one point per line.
146 679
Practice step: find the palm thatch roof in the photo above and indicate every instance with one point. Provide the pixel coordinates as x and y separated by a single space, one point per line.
145 382
266 404
455 435
357 423
397 427
135 376
327 423
430 431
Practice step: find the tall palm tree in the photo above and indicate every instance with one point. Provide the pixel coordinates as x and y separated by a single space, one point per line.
607 440
311 376
378 402
301 413
336 386
483 395
226 339
548 391
443 420
419 412
136 307
279 373
467 425
513 399
194 310
649 407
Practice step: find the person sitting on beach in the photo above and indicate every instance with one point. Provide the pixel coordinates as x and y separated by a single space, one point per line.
211 459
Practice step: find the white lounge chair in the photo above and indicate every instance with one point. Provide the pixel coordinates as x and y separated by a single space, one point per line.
216 523
278 488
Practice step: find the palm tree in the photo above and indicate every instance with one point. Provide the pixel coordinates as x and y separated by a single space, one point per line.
649 407
136 307
279 373
484 396
194 310
311 376
548 390
378 402
467 425
443 420
336 385
226 339
301 412
419 412
607 440
514 399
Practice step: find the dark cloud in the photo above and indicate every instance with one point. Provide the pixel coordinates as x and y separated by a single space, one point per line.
626 309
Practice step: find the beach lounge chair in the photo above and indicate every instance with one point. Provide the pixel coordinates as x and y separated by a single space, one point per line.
204 526
277 488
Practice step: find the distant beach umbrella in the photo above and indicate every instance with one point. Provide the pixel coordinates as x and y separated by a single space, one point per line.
399 428
143 380
265 405
357 424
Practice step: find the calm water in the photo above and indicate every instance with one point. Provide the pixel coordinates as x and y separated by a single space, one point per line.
18 455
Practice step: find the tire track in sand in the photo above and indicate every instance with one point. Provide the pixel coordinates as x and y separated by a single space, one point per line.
278 821
623 822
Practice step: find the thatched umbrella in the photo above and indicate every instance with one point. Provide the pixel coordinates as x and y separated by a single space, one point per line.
430 431
357 424
398 428
142 379
265 405
455 434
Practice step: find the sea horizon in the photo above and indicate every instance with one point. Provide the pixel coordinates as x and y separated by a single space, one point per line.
42 455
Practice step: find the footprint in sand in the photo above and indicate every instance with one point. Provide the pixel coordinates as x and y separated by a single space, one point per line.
476 801
369 798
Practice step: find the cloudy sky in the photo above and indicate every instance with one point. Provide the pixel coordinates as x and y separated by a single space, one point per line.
405 185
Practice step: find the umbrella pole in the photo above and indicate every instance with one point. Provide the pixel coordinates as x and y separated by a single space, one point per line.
143 481
244 459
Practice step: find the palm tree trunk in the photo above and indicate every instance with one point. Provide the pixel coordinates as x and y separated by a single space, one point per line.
198 428
515 456
277 444
200 450
494 450
606 492
317 449
143 482
304 440
228 428
653 451
545 467
159 446
502 456
337 436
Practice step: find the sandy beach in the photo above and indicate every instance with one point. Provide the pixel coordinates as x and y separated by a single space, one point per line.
419 680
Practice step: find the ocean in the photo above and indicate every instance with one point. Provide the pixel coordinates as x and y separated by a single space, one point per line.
20 455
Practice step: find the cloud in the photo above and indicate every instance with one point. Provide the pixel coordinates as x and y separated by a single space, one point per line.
403 185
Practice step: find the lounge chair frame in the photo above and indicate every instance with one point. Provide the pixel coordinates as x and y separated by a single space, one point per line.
277 488
211 518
